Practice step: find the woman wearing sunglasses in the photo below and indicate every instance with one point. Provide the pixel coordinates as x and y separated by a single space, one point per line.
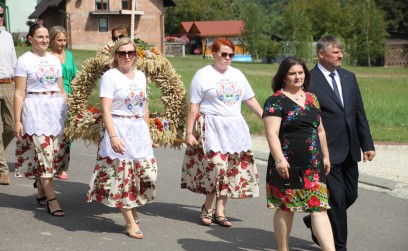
120 31
40 110
125 173
219 161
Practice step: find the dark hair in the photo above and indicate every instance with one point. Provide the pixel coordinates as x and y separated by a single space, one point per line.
327 41
33 28
121 28
215 47
284 67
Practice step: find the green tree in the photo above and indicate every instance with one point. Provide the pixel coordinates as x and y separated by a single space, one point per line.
396 14
329 17
367 44
254 38
296 30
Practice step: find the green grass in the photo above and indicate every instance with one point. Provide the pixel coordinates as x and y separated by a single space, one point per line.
384 91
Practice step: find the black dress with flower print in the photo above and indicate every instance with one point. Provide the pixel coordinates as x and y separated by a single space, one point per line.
301 147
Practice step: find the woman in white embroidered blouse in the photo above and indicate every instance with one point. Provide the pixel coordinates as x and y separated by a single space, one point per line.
40 110
125 173
219 161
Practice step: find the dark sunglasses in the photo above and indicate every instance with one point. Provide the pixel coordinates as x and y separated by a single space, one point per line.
1 14
114 39
130 54
224 55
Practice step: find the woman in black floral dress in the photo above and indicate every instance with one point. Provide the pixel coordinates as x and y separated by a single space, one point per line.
296 138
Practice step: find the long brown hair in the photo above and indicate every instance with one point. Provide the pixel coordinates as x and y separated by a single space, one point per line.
284 67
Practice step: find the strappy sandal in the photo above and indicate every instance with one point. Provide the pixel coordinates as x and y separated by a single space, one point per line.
206 216
41 201
137 221
136 234
56 213
222 221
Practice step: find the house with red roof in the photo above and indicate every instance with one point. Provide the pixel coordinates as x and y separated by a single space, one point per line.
183 28
203 33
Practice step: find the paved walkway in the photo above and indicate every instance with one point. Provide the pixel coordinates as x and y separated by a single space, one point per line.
388 172
171 222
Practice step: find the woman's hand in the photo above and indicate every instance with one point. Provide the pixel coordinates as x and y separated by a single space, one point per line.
117 145
18 130
327 165
154 145
191 140
282 168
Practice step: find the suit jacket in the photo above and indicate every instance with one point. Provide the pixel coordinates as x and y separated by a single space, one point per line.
347 128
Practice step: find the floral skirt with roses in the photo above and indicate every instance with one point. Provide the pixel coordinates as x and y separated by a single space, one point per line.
41 156
227 174
314 197
123 183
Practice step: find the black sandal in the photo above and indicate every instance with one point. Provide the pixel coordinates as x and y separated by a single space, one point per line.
56 212
222 221
41 201
207 215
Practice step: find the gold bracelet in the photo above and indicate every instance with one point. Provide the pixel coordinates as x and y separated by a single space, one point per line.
112 136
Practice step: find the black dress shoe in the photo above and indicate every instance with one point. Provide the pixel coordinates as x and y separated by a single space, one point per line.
308 222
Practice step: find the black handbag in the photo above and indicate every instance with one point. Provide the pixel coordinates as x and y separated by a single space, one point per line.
295 180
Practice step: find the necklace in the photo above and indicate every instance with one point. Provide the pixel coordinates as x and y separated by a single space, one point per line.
296 98
299 98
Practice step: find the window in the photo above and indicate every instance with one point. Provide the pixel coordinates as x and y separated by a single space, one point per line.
101 4
103 24
126 4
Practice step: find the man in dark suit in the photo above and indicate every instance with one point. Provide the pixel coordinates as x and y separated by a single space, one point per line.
347 132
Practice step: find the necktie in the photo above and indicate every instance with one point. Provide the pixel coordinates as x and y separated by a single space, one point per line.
335 87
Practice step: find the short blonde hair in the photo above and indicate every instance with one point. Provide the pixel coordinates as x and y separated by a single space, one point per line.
55 31
118 44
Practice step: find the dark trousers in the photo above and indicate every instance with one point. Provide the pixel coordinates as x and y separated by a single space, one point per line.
342 183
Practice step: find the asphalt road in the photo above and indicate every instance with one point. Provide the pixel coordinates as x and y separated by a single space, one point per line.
377 221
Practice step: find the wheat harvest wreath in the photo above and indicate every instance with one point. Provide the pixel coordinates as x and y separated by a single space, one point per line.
167 128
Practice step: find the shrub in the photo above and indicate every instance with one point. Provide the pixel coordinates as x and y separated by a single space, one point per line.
18 40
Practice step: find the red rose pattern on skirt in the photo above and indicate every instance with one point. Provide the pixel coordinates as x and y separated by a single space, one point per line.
228 174
40 156
123 184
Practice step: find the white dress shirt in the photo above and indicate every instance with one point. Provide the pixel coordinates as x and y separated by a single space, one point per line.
8 58
326 74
